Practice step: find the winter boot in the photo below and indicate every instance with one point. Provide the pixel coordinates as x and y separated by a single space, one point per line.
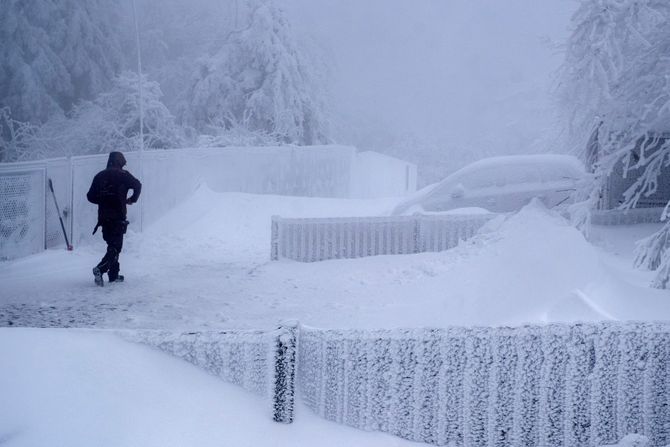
117 279
97 275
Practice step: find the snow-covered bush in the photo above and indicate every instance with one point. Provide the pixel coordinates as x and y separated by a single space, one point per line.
14 136
259 80
110 122
229 132
117 115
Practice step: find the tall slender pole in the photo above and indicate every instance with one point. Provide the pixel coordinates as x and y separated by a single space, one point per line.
140 90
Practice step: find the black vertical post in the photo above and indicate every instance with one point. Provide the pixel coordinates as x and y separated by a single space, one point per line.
283 398
274 239
417 234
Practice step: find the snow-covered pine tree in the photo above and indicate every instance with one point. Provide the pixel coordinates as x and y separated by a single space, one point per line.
53 54
259 80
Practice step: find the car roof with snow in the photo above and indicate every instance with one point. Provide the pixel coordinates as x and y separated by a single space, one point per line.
498 172
519 169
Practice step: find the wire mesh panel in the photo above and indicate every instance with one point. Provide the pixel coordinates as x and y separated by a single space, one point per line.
21 212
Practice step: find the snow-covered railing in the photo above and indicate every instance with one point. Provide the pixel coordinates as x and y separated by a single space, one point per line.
555 385
626 217
318 239
260 362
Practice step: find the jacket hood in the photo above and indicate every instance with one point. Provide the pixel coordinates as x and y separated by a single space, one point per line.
116 160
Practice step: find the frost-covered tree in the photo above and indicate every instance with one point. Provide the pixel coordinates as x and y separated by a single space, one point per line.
53 54
120 107
259 80
618 83
642 108
110 122
14 137
607 36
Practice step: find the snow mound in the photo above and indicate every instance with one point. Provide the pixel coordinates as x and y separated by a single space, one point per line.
81 388
527 267
523 268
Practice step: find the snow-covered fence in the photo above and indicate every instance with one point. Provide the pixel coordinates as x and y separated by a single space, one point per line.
318 239
556 385
626 217
28 220
260 362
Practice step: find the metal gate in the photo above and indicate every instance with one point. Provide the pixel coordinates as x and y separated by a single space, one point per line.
22 212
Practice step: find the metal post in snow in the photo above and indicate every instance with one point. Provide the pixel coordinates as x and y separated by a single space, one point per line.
141 105
274 239
283 392
417 234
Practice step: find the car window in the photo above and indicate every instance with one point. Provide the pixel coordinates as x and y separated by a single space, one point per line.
480 178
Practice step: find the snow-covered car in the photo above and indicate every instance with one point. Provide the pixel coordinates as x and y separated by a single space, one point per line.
500 184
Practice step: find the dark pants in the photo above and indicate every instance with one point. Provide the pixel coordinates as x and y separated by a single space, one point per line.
112 233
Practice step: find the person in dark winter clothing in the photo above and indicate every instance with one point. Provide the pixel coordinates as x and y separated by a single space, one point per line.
109 190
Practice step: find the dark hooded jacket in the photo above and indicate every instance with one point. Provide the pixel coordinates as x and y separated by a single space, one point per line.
109 190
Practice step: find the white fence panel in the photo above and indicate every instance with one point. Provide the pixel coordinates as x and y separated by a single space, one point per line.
319 239
626 217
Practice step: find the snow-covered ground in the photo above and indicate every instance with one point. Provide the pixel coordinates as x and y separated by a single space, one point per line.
77 388
206 265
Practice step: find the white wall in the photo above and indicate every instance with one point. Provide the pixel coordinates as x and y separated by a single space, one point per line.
378 175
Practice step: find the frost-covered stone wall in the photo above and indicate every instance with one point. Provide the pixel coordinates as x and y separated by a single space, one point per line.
572 385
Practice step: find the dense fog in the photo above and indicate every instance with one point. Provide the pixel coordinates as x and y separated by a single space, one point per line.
442 82
437 83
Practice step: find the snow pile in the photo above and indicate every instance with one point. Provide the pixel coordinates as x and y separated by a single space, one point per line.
530 267
76 388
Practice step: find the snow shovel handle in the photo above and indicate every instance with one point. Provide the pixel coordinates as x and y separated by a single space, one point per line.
62 226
